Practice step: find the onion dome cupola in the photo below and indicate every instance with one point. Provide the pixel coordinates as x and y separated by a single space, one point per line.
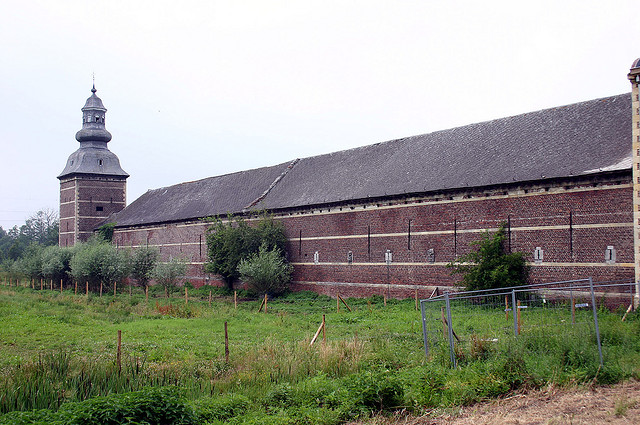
93 156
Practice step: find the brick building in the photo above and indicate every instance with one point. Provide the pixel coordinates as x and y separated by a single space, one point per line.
92 184
390 216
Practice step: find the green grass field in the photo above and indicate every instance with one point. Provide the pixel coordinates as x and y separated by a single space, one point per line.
59 349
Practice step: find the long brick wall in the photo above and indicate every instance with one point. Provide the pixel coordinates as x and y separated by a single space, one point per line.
344 248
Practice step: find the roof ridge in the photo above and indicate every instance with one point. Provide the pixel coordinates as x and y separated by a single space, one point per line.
272 185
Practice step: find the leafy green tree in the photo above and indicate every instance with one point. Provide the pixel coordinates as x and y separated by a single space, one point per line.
143 263
490 266
40 228
56 263
31 262
168 274
266 271
98 261
231 241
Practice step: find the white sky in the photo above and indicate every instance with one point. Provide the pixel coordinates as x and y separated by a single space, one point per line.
201 88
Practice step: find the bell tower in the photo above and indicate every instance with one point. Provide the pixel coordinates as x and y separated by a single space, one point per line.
92 185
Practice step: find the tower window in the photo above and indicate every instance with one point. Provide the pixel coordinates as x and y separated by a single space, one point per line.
100 162
98 208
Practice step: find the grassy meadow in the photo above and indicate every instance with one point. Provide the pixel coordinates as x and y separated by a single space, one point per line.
58 358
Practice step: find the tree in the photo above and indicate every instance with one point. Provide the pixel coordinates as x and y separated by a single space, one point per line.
231 241
56 263
98 261
266 271
168 274
40 228
31 262
489 266
143 263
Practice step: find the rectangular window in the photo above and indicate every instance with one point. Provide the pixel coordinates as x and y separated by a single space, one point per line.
538 255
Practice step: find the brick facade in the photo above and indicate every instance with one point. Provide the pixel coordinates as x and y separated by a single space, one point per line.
85 202
573 221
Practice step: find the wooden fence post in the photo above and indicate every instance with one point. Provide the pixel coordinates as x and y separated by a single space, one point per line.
226 343
51 284
416 300
338 302
115 284
506 307
186 296
209 298
87 287
119 352
235 300
344 302
324 334
76 290
321 328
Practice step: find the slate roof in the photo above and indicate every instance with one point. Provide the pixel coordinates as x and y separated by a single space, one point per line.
229 193
572 140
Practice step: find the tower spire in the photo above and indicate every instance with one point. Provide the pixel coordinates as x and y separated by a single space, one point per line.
92 184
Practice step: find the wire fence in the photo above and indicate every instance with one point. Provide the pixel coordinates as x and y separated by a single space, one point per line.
473 319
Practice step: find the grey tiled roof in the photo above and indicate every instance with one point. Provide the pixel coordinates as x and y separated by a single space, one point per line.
229 193
577 139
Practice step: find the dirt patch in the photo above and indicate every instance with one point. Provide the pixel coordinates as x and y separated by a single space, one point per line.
619 404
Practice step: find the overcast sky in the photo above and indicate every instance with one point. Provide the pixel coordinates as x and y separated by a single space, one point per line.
202 88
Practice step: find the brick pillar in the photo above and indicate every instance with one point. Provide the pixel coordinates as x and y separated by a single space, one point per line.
634 77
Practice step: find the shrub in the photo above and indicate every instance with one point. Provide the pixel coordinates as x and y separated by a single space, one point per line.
150 406
56 262
169 274
222 408
143 263
98 261
266 271
489 266
229 242
375 390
